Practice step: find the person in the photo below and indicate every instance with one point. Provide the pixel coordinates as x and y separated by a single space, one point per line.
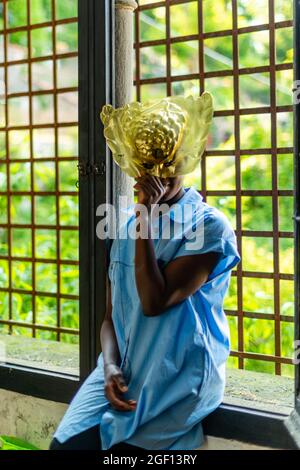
165 337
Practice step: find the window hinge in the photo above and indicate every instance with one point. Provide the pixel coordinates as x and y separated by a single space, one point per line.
86 169
100 168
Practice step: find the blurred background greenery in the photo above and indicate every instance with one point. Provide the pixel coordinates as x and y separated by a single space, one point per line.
255 133
54 154
46 174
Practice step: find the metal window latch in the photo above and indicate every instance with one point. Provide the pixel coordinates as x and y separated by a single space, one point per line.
296 218
100 168
86 169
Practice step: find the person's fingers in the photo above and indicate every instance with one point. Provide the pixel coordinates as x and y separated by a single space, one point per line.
143 187
120 405
159 182
140 182
151 182
141 177
145 178
120 382
111 395
138 185
155 181
121 386
119 395
157 188
117 402
138 178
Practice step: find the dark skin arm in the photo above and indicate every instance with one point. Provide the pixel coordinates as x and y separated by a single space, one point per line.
115 384
159 289
178 280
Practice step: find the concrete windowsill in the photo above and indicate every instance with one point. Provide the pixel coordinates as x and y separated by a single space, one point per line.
243 388
40 354
258 390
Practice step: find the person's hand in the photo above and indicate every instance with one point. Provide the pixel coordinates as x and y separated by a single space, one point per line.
115 386
149 190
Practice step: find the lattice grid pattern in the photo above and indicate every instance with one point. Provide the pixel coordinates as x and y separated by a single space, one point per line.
240 51
38 169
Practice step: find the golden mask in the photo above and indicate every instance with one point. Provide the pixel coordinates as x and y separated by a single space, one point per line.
163 138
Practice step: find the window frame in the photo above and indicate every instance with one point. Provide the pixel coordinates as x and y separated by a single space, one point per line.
96 67
96 28
297 196
293 422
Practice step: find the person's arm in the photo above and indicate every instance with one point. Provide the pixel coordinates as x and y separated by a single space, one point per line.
115 384
109 345
159 289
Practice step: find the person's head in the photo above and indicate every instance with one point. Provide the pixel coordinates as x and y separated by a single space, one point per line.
165 138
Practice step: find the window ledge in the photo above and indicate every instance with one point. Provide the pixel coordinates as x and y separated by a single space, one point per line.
39 368
247 389
36 353
254 409
261 391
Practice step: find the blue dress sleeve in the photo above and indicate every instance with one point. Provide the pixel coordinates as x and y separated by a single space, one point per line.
213 234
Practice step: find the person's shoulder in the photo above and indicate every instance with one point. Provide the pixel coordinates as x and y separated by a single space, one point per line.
217 222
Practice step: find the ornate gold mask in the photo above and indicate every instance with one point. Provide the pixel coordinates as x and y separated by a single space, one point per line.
163 138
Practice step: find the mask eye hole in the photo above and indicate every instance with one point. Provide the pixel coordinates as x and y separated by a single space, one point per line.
148 166
169 163
158 153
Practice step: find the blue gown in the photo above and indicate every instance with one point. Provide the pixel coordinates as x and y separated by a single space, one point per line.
173 363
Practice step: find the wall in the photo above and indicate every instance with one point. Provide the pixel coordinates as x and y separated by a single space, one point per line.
35 421
29 418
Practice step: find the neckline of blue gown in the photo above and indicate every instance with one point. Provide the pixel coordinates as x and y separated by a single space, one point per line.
190 193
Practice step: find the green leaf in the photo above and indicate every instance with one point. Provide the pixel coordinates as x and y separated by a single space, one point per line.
13 443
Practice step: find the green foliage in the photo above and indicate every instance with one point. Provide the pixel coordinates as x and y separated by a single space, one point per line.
41 210
13 443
